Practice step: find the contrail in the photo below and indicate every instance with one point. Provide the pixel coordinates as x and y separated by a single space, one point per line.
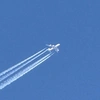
37 63
23 72
11 68
15 70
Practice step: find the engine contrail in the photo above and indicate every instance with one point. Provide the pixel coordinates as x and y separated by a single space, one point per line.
15 70
37 63
24 71
11 68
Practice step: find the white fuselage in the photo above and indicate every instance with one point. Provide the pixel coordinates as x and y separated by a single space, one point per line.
53 47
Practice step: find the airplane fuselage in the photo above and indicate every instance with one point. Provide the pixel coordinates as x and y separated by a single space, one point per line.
53 47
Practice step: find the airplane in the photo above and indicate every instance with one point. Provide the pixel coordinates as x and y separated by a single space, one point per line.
53 47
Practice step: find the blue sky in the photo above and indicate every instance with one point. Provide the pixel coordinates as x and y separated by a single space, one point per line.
73 73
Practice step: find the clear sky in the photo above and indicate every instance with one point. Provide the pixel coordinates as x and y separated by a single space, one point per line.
73 73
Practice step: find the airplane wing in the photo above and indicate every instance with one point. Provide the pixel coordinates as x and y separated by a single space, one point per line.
56 49
53 47
49 45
